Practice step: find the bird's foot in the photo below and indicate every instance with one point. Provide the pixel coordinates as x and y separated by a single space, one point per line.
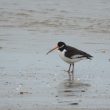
71 71
71 78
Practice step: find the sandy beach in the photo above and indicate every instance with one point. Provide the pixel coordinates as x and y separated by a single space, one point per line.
32 80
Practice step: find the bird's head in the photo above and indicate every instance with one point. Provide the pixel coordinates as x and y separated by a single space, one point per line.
60 46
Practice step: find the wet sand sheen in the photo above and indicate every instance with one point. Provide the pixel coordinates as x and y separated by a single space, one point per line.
30 80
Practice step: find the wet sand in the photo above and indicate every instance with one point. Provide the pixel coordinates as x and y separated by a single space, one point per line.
31 80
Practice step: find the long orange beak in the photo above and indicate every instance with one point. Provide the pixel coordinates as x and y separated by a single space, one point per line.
52 49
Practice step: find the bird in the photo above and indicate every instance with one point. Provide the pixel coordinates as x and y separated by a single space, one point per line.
70 55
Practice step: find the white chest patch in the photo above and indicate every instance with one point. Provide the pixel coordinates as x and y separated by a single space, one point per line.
62 55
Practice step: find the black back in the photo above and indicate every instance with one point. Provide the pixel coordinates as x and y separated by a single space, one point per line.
71 51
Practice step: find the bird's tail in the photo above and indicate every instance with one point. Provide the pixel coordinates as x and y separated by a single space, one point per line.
89 56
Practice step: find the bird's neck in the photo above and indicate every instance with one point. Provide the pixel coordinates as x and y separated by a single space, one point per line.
62 48
62 52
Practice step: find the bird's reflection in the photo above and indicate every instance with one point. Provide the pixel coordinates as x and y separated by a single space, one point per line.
72 87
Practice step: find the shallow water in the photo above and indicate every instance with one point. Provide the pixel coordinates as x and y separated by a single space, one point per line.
28 29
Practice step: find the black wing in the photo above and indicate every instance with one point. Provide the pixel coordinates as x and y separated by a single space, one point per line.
71 51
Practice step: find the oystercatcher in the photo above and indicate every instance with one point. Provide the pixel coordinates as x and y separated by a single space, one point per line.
70 55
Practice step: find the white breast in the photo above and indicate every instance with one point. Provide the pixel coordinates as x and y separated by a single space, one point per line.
68 60
62 55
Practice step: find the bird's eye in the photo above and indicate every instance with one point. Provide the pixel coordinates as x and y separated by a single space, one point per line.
62 46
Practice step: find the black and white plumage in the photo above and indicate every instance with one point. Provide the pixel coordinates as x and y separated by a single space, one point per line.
70 55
